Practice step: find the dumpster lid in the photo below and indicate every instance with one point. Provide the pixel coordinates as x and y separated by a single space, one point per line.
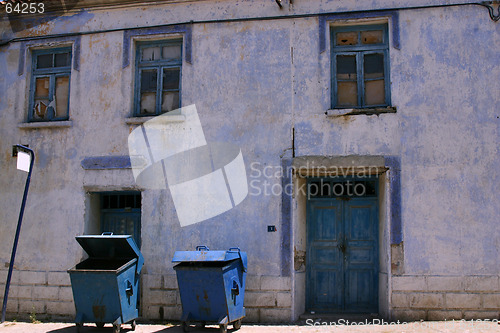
202 253
111 246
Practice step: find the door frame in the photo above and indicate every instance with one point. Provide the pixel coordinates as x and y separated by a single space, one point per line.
309 166
342 199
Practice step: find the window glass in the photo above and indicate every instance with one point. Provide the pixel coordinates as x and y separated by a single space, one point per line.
42 85
171 78
151 53
172 52
347 86
45 61
346 67
170 101
374 79
374 66
159 68
372 37
148 91
62 59
374 92
347 38
347 93
62 96
149 79
40 109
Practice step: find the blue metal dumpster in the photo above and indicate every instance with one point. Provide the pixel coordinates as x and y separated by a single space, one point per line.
105 285
212 286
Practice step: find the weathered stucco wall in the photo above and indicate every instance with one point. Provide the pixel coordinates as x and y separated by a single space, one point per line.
254 83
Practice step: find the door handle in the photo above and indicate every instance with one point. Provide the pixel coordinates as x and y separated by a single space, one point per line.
129 290
342 244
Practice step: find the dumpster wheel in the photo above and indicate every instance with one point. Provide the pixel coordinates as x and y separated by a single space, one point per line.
237 324
99 325
223 328
79 327
117 328
134 324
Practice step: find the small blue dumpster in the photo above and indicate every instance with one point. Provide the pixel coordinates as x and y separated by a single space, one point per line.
105 285
212 286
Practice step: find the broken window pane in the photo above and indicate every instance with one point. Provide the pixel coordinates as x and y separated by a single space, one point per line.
374 92
371 37
171 78
172 52
148 103
40 109
45 61
149 79
42 85
346 67
374 66
50 90
151 53
170 101
347 93
159 89
62 96
347 38
62 59
148 91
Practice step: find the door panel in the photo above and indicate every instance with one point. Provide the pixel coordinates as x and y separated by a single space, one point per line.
359 291
342 255
123 223
324 260
361 265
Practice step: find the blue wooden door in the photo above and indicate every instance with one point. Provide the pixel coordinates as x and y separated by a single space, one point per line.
121 214
342 255
123 223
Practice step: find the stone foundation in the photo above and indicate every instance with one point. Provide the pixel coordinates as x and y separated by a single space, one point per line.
445 297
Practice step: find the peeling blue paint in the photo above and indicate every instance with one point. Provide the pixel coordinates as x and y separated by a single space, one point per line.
106 162
307 136
286 218
394 165
71 153
7 76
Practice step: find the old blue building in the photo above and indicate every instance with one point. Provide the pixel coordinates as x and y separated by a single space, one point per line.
368 132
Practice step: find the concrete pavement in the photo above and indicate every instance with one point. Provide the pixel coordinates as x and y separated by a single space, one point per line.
310 327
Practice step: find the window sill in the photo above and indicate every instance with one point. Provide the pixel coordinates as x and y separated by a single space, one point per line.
175 118
364 111
46 124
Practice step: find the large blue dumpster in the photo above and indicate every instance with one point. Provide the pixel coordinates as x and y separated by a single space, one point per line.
105 285
212 286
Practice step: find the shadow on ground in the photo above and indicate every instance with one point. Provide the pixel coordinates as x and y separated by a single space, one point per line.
89 328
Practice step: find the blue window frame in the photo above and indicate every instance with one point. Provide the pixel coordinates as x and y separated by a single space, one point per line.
50 80
360 67
158 77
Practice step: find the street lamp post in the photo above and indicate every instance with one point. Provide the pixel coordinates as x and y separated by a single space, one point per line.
25 158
